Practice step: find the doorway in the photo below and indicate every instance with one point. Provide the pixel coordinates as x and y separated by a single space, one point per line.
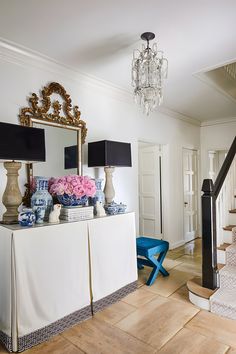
190 178
150 190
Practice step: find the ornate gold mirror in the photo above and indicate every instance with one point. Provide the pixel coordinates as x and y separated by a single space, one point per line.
63 128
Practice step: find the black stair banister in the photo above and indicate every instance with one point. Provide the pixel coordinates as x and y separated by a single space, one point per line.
209 256
209 237
224 169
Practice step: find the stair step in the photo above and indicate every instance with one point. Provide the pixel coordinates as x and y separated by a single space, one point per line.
231 248
220 266
228 236
221 253
195 286
232 217
231 255
223 246
222 303
229 227
198 295
228 277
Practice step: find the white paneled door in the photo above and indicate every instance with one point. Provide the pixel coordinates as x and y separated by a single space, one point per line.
190 177
150 216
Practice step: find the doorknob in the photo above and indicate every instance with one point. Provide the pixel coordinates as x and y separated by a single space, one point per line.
185 203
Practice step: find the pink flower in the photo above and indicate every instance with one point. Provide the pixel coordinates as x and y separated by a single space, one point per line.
72 185
50 182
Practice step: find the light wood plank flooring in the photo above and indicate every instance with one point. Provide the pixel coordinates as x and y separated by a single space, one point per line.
156 319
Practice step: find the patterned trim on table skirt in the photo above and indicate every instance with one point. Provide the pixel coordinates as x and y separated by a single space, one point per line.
6 341
114 297
43 334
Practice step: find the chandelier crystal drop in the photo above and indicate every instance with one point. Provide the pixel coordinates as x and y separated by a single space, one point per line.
149 68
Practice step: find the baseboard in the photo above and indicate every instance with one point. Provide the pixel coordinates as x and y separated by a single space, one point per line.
176 244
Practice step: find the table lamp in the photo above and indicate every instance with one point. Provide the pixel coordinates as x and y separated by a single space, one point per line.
109 154
22 144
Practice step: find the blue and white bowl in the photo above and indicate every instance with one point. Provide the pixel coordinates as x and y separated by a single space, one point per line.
121 208
111 209
27 217
72 200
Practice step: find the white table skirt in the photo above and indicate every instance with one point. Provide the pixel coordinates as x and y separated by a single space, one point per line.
113 258
5 282
48 269
52 276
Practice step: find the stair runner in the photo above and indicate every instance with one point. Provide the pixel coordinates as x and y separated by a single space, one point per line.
223 301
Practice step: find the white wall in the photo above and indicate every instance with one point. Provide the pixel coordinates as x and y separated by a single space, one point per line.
110 114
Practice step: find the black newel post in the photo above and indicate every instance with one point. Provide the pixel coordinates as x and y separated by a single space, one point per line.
209 255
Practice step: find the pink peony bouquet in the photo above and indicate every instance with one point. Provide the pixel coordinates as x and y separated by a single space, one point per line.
72 185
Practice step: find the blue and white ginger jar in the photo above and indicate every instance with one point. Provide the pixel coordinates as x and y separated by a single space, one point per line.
41 200
26 217
99 195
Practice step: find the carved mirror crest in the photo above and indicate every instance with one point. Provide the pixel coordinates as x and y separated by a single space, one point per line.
54 113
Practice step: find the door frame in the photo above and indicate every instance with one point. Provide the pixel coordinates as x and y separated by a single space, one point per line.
198 233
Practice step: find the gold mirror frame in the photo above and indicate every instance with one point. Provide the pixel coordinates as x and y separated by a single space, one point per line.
40 114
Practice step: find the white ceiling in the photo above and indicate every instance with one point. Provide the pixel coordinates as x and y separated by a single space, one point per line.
98 37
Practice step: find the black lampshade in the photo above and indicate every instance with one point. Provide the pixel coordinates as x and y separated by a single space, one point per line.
109 153
71 157
21 143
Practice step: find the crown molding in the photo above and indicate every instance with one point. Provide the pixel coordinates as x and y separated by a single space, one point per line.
218 121
179 116
19 55
206 80
14 53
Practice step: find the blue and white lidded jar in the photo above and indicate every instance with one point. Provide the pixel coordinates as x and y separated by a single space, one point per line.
99 195
41 200
26 217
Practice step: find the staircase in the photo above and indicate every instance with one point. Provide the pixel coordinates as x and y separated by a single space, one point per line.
229 237
223 301
218 242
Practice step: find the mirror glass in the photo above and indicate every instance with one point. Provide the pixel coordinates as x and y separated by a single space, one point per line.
56 140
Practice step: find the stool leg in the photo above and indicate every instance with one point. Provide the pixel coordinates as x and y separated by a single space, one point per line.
139 264
160 260
157 266
155 270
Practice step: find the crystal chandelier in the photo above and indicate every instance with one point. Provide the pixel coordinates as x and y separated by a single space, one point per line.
149 68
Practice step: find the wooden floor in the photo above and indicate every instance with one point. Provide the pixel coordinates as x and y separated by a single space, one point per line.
156 319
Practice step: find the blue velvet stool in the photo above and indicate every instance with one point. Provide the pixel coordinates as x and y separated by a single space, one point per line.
148 248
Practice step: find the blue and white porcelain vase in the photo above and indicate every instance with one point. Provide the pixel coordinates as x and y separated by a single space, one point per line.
99 195
41 200
26 217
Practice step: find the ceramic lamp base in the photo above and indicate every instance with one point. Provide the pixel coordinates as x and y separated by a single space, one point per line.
12 197
109 190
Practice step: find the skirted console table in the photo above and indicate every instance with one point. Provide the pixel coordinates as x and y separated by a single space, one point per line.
55 276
